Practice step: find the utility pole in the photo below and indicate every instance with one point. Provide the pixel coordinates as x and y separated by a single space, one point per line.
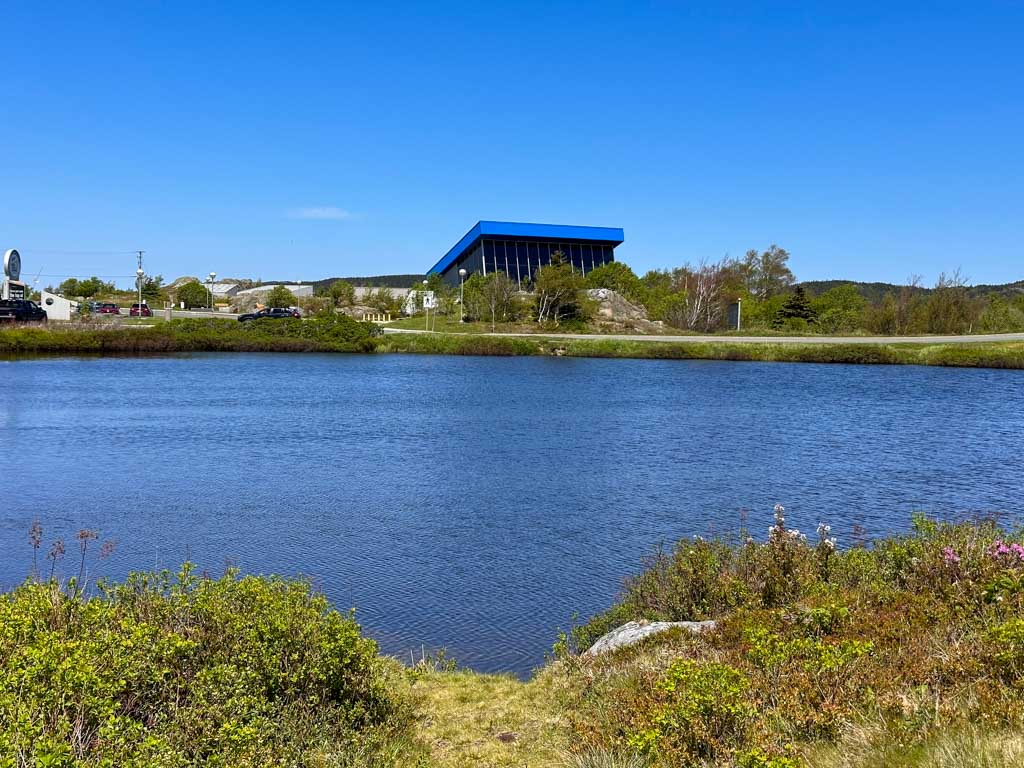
140 274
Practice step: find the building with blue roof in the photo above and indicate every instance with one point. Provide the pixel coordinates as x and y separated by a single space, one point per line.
519 250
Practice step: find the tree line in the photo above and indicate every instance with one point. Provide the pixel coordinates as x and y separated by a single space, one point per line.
698 297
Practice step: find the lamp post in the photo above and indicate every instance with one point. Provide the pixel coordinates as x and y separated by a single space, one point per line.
426 307
739 311
462 295
140 272
213 276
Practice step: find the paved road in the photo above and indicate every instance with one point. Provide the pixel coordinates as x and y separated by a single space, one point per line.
974 339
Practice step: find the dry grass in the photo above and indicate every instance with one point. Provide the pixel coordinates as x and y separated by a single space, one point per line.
875 747
469 719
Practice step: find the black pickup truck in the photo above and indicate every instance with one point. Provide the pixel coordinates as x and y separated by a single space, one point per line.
21 311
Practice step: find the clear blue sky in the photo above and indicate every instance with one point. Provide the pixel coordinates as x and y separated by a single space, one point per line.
304 140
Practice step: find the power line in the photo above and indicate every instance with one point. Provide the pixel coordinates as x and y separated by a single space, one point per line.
78 253
106 277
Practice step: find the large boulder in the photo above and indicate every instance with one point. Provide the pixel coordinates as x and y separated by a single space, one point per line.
635 631
611 305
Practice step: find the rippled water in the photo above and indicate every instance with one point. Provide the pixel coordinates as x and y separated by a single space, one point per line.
477 503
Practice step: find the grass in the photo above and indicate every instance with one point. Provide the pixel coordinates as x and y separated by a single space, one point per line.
469 719
340 334
980 355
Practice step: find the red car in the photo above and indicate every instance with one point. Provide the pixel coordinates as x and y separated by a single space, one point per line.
108 309
140 310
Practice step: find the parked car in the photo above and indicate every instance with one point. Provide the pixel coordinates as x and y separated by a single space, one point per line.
21 311
140 310
106 308
275 313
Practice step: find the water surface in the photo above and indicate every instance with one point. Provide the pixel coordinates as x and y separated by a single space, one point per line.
477 503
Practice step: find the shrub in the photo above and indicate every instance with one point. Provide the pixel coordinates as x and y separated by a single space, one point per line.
181 671
922 632
704 712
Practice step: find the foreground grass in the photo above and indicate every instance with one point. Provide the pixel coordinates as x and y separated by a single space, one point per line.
469 719
341 334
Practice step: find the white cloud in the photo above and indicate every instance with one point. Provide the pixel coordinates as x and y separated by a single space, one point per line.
323 213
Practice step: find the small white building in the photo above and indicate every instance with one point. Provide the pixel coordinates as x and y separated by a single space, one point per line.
57 307
224 290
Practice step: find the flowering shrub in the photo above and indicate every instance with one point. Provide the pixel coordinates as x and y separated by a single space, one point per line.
922 632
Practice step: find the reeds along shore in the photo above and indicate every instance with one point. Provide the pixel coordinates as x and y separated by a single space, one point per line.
342 334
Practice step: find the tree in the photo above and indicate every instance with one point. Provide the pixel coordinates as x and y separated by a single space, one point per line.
557 286
193 294
342 293
949 308
85 288
697 301
383 300
767 273
796 307
152 287
1000 316
618 277
840 309
279 296
497 292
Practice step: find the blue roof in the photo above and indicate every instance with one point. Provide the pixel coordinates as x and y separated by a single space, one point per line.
515 229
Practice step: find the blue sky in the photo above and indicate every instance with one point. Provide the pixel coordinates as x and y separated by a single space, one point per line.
305 140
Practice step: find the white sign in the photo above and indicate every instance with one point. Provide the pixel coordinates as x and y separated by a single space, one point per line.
429 300
12 264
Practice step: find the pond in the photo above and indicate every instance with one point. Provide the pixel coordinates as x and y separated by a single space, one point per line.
477 503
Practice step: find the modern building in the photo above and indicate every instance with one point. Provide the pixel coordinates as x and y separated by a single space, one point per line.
519 250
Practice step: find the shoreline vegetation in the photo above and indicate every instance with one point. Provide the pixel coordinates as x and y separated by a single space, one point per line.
904 652
339 333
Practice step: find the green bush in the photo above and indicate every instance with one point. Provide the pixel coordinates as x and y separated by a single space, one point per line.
704 712
183 671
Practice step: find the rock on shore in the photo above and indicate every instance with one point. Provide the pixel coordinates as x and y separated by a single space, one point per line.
635 631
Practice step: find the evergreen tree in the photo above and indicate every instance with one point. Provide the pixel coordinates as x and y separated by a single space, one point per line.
797 305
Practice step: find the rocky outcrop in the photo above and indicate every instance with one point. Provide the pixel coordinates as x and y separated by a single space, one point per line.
635 631
612 306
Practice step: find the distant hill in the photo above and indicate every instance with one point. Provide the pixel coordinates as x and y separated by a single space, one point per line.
377 281
874 292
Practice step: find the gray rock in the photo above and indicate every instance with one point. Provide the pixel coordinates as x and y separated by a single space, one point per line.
635 631
613 306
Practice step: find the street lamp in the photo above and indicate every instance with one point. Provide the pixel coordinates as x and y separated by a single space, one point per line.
426 307
462 295
140 273
213 276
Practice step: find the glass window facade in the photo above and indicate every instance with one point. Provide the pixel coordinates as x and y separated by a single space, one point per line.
520 259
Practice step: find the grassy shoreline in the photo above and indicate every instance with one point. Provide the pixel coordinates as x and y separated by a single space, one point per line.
345 335
905 653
